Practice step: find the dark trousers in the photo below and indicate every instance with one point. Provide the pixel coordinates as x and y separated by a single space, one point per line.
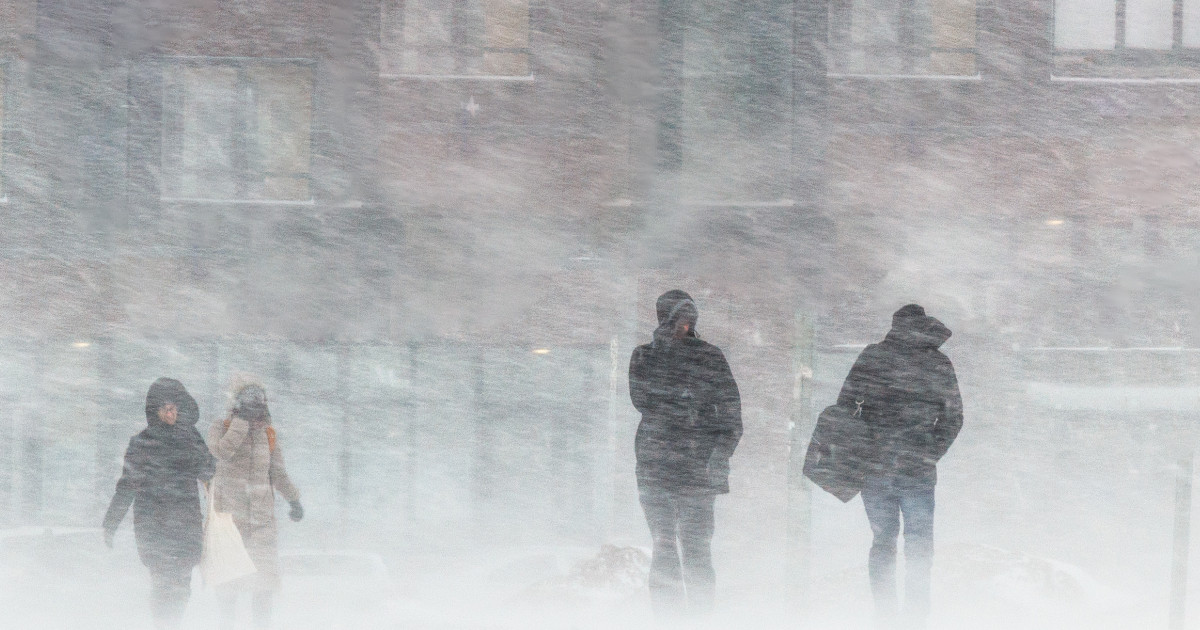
170 589
886 499
682 580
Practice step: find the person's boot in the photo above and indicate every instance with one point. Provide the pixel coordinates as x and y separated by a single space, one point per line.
227 605
167 603
261 609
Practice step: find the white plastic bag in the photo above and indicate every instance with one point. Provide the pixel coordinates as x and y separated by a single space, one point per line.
224 558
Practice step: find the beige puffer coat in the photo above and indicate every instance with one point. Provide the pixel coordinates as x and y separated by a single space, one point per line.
250 469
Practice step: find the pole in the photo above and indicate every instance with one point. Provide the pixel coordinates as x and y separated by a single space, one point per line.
799 493
1183 525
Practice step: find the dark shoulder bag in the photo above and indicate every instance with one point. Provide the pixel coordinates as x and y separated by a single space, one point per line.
835 458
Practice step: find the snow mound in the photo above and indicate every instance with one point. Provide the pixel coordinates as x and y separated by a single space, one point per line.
615 573
982 587
1018 578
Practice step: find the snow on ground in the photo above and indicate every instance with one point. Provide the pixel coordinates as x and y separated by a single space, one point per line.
552 588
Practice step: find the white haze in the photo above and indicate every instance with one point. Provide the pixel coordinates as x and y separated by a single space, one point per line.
443 319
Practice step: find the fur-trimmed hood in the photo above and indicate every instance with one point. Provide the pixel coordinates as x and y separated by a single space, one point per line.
236 385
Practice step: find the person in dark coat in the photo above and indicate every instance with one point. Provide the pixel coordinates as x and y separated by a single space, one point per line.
162 467
691 424
908 395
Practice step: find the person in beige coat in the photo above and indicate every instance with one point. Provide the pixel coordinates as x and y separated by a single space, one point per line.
250 470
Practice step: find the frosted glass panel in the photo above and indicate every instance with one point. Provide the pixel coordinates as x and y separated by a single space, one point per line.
473 37
237 132
1 129
429 37
507 37
1191 23
1148 24
209 115
283 117
1085 24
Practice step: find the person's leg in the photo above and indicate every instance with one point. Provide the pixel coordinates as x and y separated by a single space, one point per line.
227 603
666 578
262 545
917 504
883 512
260 607
695 542
171 587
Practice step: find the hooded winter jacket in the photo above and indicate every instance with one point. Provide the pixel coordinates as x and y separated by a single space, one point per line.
909 396
250 469
690 405
162 465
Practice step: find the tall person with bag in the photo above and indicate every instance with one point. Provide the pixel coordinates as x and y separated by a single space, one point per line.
250 470
908 395
163 464
691 424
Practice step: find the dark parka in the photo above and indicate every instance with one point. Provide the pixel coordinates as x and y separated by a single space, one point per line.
162 465
909 396
690 405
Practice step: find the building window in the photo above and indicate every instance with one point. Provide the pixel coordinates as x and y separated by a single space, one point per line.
455 37
902 37
237 130
1134 39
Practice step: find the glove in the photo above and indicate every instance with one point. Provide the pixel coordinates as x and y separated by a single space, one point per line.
108 537
297 512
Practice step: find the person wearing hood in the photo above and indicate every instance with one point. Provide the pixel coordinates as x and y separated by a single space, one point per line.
250 470
163 464
691 424
905 389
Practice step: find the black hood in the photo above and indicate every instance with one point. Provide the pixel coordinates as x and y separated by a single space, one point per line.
168 390
673 306
912 327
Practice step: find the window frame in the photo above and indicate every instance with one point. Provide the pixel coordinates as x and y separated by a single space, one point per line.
838 36
392 47
243 148
1120 56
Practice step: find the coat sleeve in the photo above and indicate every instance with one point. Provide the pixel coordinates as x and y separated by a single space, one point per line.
132 474
279 475
638 391
205 465
729 409
226 442
950 421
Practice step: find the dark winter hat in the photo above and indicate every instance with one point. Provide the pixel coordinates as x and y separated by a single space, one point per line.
168 390
907 314
251 400
674 305
912 326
